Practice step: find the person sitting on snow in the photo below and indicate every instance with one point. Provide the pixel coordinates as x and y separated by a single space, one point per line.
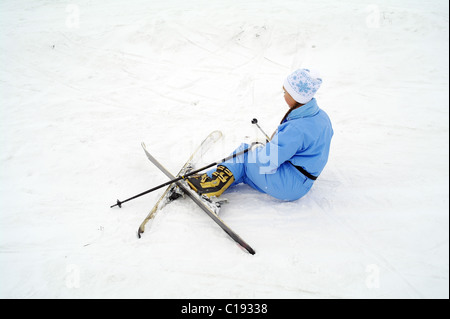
287 166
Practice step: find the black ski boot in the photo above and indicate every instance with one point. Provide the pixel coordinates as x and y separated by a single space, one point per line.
221 179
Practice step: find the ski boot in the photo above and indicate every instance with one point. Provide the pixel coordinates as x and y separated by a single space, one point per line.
213 186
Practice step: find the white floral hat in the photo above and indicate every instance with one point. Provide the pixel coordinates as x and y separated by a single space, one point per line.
302 85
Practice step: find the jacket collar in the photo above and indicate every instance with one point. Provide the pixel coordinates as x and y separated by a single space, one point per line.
309 109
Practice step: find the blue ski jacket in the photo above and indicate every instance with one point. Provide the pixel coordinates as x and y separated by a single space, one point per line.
303 139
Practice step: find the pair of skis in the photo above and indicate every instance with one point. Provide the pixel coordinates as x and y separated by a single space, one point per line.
179 188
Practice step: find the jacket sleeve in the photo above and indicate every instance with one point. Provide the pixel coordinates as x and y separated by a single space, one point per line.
283 146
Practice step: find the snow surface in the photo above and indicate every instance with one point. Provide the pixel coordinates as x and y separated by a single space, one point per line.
84 82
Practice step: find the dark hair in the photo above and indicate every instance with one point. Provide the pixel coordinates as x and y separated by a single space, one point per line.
296 106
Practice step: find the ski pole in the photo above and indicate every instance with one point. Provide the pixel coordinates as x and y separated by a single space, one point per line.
255 121
119 203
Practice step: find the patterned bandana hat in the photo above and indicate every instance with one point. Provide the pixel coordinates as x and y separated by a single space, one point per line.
302 85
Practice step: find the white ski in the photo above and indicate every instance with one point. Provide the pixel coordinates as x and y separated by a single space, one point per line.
172 189
206 205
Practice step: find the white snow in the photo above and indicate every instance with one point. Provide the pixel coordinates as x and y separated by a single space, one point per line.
84 82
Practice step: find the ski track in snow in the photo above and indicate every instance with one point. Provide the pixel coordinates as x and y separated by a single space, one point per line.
83 84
